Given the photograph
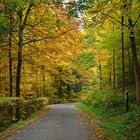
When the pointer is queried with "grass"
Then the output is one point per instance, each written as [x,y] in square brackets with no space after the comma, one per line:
[118,124]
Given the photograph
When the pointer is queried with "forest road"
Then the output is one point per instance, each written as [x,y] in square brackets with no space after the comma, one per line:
[61,123]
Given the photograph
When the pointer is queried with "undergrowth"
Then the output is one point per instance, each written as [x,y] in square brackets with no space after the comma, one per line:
[114,119]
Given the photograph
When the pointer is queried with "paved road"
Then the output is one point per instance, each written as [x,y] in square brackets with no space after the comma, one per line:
[61,123]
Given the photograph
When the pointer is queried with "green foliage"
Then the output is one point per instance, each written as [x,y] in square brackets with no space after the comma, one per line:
[105,98]
[116,123]
[76,8]
[86,60]
[90,40]
[93,111]
[4,25]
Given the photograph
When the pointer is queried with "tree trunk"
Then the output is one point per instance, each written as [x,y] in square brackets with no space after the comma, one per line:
[100,75]
[135,60]
[129,63]
[10,55]
[22,24]
[43,81]
[60,92]
[17,115]
[114,69]
[131,67]
[123,61]
[68,89]
[100,71]
[19,65]
[110,78]
[134,53]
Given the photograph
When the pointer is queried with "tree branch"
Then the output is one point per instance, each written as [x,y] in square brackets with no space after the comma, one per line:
[136,20]
[115,19]
[47,37]
[27,13]
[33,25]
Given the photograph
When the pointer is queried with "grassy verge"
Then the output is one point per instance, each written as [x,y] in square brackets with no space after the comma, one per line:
[116,123]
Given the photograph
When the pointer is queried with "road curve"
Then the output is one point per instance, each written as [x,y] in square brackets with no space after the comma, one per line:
[61,123]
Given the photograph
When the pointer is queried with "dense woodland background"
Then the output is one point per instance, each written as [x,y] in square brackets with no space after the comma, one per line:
[84,49]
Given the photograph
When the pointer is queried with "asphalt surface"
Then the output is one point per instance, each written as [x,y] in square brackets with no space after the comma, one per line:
[61,123]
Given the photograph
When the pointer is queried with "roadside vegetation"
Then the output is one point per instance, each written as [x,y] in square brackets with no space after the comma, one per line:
[13,110]
[109,112]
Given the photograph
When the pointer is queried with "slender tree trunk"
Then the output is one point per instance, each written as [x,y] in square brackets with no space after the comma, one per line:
[114,69]
[60,94]
[68,89]
[100,71]
[43,80]
[36,72]
[133,72]
[131,67]
[19,65]
[10,55]
[110,77]
[123,61]
[100,75]
[129,63]
[18,76]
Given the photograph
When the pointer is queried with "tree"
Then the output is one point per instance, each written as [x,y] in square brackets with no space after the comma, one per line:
[134,48]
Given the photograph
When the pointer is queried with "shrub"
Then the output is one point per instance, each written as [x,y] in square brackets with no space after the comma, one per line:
[108,99]
[9,106]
